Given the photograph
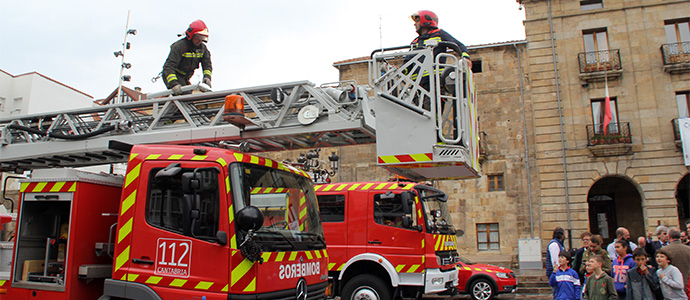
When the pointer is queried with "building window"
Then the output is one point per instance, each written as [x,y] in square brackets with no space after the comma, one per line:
[591,4]
[487,237]
[332,208]
[596,45]
[598,115]
[2,104]
[495,182]
[477,66]
[683,100]
[678,35]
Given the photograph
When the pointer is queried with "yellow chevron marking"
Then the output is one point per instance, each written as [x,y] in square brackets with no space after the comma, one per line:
[132,175]
[199,157]
[128,202]
[73,187]
[325,253]
[408,186]
[227,184]
[468,268]
[398,268]
[487,270]
[478,269]
[132,277]
[252,286]
[341,187]
[2,282]
[132,156]
[420,157]
[124,277]
[225,289]
[203,285]
[354,186]
[122,259]
[380,186]
[266,256]
[308,253]
[154,280]
[125,230]
[238,156]
[222,161]
[253,159]
[341,267]
[317,187]
[175,157]
[280,256]
[240,271]
[303,213]
[23,186]
[233,242]
[178,282]
[438,244]
[413,268]
[389,159]
[367,186]
[293,256]
[39,187]
[330,266]
[153,156]
[328,187]
[57,186]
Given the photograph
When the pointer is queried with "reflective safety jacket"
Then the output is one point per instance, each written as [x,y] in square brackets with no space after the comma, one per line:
[183,59]
[441,36]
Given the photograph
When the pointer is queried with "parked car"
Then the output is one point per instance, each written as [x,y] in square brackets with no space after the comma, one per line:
[483,282]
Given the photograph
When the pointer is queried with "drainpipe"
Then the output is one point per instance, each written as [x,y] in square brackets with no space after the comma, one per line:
[560,119]
[524,134]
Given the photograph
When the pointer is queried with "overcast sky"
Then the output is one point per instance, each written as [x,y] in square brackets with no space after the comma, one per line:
[252,43]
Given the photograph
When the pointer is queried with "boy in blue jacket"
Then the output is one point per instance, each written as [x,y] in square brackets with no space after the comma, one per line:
[565,281]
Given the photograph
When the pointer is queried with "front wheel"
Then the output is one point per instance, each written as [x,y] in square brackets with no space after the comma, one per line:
[481,289]
[366,287]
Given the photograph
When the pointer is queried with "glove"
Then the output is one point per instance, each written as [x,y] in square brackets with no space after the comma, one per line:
[177,90]
[207,81]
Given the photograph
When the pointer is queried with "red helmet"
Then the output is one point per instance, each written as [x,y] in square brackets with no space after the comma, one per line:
[427,18]
[197,27]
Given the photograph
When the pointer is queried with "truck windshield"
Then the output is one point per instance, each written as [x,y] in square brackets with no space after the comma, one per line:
[288,204]
[436,212]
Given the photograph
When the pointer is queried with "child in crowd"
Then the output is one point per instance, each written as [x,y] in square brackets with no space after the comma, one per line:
[670,278]
[565,281]
[642,282]
[623,263]
[599,285]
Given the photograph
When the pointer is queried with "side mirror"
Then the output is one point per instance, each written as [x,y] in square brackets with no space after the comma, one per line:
[191,182]
[250,218]
[406,202]
[406,222]
[222,237]
[169,171]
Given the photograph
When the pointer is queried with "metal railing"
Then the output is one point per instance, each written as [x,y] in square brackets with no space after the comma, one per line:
[598,61]
[676,53]
[617,133]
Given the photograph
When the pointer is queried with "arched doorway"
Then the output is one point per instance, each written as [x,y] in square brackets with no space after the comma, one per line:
[683,199]
[614,202]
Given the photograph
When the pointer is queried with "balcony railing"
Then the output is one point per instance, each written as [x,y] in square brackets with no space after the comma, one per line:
[599,61]
[676,53]
[618,133]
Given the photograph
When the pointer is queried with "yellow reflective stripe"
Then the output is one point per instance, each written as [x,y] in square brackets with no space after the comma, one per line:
[178,282]
[125,230]
[207,72]
[318,254]
[132,175]
[39,187]
[175,157]
[129,201]
[240,271]
[225,289]
[399,268]
[252,286]
[199,157]
[122,259]
[328,187]
[222,162]
[413,268]
[203,285]
[330,266]
[154,280]
[193,55]
[367,186]
[341,187]
[153,156]
[57,186]
[23,186]
[266,256]
[308,253]
[171,77]
[280,256]
[380,186]
[73,188]
[293,255]
[354,186]
[132,277]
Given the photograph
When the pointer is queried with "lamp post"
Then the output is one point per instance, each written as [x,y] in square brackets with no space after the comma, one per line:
[124,65]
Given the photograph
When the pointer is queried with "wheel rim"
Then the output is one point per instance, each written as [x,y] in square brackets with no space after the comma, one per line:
[365,293]
[481,290]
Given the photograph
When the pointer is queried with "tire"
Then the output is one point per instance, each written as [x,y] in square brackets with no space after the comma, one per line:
[366,287]
[482,289]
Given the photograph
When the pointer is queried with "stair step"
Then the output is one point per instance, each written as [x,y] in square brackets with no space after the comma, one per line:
[528,284]
[534,296]
[535,290]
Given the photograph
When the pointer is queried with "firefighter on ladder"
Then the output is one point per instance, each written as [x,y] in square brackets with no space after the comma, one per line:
[185,57]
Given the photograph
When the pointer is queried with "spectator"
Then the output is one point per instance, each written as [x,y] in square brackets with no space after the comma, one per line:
[600,285]
[565,282]
[553,249]
[684,238]
[622,234]
[642,282]
[623,263]
[641,242]
[662,239]
[670,278]
[679,253]
[577,262]
[595,249]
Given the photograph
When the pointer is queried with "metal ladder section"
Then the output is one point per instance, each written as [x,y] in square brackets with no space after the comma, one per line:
[285,116]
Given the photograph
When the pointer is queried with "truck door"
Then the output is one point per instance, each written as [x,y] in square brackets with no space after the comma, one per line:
[175,249]
[393,231]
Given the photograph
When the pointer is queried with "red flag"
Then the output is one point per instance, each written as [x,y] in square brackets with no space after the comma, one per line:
[608,116]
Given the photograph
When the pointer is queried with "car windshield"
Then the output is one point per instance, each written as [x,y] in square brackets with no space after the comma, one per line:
[436,212]
[465,261]
[288,203]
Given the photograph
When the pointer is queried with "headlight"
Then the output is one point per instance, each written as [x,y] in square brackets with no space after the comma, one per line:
[437,281]
[502,275]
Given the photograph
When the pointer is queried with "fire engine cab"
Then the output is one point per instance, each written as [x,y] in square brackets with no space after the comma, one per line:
[388,240]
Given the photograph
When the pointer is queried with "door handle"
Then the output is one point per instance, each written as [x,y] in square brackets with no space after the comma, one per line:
[374,242]
[142,261]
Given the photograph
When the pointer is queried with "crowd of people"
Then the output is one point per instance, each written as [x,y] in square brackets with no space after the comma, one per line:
[649,269]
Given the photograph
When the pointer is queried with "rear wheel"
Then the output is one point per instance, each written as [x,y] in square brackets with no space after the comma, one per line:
[366,287]
[481,289]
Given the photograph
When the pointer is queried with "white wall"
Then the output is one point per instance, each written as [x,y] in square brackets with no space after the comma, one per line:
[32,93]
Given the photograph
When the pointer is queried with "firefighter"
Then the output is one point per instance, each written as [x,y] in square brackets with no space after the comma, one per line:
[426,25]
[185,57]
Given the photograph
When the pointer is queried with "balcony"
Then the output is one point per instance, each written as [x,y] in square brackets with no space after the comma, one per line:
[617,141]
[598,65]
[676,57]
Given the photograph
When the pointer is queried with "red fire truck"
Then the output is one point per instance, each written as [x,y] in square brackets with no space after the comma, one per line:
[184,222]
[388,239]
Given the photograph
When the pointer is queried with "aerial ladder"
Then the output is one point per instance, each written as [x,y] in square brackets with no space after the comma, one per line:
[423,130]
